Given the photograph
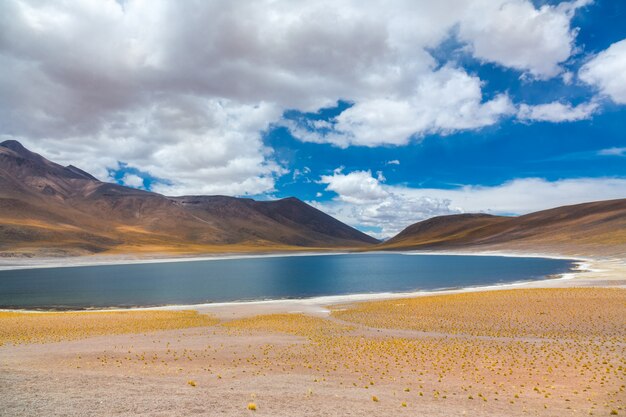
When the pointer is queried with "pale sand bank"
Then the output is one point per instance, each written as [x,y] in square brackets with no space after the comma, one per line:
[460,361]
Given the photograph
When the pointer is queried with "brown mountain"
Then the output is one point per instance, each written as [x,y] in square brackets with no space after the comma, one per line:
[597,228]
[49,209]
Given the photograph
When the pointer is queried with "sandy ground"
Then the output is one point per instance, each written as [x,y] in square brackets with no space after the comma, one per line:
[554,347]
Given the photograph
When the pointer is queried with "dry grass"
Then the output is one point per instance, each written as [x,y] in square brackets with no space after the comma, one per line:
[540,349]
[535,352]
[17,328]
[294,324]
[544,313]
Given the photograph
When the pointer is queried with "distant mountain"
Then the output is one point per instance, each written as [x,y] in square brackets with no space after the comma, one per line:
[47,209]
[597,228]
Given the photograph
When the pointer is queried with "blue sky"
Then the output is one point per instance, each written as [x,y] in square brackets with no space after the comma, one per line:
[381,115]
[589,148]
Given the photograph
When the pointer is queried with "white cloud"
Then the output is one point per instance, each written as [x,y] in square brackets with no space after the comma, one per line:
[567,77]
[443,101]
[364,201]
[525,195]
[517,35]
[612,152]
[393,162]
[201,146]
[607,71]
[556,112]
[133,180]
[181,90]
[357,187]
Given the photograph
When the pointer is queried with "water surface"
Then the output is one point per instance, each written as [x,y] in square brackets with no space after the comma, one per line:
[222,280]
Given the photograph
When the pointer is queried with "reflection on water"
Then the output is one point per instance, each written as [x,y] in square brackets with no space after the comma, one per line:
[259,278]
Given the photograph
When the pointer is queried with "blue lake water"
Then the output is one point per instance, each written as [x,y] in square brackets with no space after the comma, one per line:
[198,282]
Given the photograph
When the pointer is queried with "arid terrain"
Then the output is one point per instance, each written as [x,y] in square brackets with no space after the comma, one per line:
[597,228]
[548,348]
[48,210]
[315,208]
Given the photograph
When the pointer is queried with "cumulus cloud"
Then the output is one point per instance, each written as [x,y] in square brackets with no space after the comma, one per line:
[607,72]
[183,90]
[365,201]
[357,187]
[443,101]
[556,112]
[517,35]
[132,180]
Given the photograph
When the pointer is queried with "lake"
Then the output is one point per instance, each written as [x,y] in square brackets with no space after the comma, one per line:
[260,278]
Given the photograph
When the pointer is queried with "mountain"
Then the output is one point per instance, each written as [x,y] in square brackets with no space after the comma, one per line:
[597,228]
[47,209]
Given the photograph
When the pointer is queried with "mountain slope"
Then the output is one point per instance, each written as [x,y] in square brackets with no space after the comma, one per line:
[49,209]
[290,220]
[590,228]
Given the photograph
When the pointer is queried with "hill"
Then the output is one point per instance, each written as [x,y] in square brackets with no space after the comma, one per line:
[597,228]
[47,209]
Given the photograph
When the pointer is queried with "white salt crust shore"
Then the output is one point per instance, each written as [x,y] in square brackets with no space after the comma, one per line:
[105,260]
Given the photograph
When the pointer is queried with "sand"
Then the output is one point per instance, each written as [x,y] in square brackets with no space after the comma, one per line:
[548,348]
[107,258]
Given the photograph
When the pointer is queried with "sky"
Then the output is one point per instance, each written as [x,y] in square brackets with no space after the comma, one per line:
[379,113]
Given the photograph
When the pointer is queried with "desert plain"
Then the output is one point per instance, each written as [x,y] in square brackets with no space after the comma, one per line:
[548,348]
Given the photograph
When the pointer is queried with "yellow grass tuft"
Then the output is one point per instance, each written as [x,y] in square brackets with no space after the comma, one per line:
[295,324]
[18,327]
[502,346]
[543,313]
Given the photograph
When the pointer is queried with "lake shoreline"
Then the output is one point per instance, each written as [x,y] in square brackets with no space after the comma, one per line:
[106,260]
[354,361]
[295,357]
[586,271]
[319,304]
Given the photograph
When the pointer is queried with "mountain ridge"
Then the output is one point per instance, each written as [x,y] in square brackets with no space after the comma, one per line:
[47,209]
[593,228]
